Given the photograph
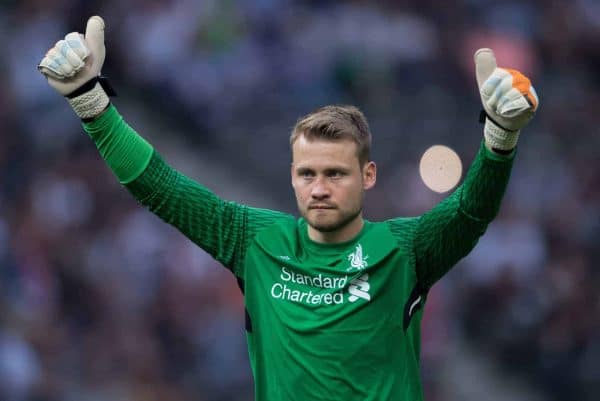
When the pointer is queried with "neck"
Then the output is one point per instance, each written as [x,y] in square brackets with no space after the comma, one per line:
[343,234]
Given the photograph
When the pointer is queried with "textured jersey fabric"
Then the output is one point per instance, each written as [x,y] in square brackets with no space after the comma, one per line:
[326,322]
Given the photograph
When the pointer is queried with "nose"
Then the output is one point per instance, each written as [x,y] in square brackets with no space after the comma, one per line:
[320,190]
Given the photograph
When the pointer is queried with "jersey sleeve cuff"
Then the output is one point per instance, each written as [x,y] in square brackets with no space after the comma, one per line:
[97,125]
[491,155]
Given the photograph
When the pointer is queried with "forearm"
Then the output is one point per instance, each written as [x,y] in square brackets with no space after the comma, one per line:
[125,152]
[485,184]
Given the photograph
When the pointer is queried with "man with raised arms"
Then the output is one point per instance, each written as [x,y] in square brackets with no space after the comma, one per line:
[334,301]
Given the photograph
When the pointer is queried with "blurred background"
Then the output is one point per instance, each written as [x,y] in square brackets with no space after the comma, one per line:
[99,300]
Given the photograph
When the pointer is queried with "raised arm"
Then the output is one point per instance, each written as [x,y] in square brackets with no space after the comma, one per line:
[450,231]
[222,228]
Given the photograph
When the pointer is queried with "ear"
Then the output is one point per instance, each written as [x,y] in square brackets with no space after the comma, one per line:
[369,175]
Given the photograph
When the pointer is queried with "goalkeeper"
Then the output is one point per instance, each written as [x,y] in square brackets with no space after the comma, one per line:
[333,301]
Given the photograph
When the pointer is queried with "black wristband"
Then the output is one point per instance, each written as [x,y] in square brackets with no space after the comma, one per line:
[89,85]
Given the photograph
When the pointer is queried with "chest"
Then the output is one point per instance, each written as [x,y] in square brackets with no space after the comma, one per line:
[353,290]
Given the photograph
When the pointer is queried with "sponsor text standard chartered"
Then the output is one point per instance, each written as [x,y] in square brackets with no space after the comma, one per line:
[358,288]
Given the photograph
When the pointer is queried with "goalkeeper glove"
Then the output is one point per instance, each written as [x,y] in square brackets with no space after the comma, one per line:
[72,67]
[508,99]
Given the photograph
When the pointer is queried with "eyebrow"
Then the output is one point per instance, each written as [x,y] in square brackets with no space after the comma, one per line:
[326,170]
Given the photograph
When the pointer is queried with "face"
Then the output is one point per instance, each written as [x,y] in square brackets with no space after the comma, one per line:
[330,183]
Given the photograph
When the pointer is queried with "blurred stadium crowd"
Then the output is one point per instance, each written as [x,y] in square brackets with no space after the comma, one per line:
[99,300]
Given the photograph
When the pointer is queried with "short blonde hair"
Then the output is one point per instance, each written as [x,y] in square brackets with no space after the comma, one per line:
[333,123]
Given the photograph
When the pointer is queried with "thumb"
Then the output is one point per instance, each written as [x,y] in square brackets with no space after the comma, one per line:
[94,34]
[485,64]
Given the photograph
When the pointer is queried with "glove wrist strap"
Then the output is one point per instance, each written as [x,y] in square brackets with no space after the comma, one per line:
[498,138]
[91,103]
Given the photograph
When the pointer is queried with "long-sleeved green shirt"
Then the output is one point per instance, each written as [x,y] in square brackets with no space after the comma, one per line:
[326,322]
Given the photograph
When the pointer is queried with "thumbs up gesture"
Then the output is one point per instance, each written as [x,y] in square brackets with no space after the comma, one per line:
[72,67]
[508,99]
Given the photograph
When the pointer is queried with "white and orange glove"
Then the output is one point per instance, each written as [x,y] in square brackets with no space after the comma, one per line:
[508,99]
[73,68]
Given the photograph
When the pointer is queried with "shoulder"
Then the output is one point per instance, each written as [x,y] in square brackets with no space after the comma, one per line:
[402,226]
[277,237]
[278,225]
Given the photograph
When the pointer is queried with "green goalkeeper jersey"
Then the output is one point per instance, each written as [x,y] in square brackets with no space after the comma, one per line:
[324,322]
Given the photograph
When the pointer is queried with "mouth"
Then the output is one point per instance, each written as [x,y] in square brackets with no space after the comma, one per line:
[321,207]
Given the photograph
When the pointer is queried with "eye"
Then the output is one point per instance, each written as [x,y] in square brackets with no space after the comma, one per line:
[306,174]
[335,174]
